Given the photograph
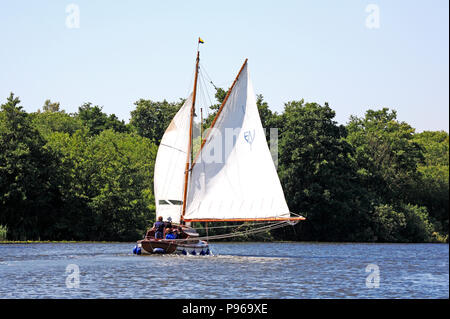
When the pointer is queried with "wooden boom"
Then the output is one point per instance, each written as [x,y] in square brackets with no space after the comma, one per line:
[268,219]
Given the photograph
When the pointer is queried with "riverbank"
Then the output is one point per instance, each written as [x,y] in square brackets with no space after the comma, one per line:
[55,242]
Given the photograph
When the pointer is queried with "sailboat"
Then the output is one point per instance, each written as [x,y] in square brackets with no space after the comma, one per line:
[231,178]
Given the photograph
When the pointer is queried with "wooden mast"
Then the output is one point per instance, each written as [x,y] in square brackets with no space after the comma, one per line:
[187,170]
[218,113]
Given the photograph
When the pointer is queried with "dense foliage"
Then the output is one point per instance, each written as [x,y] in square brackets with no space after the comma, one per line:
[76,176]
[89,175]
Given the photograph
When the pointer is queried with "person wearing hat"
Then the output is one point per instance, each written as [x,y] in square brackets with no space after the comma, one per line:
[168,223]
[167,226]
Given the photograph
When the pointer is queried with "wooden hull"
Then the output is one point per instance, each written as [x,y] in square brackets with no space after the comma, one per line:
[154,246]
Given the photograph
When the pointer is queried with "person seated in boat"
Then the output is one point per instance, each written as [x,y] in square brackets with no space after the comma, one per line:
[166,231]
[180,233]
[167,226]
[168,223]
[170,234]
[158,227]
[175,232]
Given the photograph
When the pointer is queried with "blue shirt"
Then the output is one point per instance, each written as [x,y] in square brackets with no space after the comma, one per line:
[159,226]
[170,236]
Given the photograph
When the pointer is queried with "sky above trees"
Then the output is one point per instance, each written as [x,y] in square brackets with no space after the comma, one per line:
[345,53]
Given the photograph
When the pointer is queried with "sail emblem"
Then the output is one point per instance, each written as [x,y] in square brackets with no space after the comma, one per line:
[249,136]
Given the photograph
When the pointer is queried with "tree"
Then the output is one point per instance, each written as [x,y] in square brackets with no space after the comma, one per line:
[264,111]
[432,190]
[388,223]
[150,119]
[386,154]
[96,121]
[123,200]
[406,223]
[220,97]
[107,186]
[89,176]
[318,176]
[29,175]
[78,221]
[418,228]
[51,107]
[49,122]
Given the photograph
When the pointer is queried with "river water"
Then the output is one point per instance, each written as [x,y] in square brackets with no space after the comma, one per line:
[237,270]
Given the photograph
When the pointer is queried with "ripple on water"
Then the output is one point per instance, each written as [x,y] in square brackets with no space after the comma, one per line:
[251,270]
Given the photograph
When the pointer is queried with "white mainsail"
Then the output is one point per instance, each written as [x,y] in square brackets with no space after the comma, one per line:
[170,165]
[234,177]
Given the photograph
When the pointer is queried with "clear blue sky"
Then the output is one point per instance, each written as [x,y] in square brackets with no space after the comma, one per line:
[321,51]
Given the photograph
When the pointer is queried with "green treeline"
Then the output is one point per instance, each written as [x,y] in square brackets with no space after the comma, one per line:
[89,176]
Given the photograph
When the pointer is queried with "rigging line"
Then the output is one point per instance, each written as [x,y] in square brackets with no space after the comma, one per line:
[196,133]
[222,84]
[202,90]
[246,232]
[209,78]
[249,231]
[204,93]
[202,98]
[298,215]
[207,93]
[294,222]
[208,105]
[204,101]
[177,149]
[205,74]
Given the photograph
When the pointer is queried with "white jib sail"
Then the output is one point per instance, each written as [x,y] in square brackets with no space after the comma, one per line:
[170,165]
[234,176]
